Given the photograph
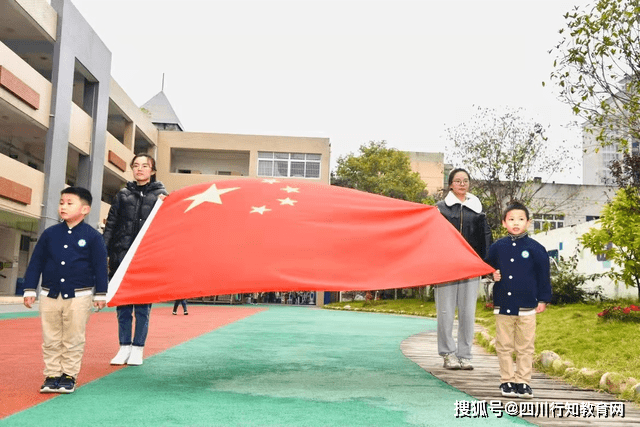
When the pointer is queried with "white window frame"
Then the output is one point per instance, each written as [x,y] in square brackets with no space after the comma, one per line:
[553,220]
[273,164]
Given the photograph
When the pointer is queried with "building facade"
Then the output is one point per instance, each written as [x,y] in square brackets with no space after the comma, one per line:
[597,159]
[65,121]
[565,243]
[431,168]
[564,205]
[188,158]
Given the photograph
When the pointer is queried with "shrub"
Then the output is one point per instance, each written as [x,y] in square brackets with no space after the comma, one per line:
[567,285]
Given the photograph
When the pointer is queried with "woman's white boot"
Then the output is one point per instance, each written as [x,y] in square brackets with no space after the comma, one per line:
[123,355]
[136,355]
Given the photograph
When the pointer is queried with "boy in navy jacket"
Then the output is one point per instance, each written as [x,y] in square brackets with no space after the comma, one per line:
[522,289]
[72,259]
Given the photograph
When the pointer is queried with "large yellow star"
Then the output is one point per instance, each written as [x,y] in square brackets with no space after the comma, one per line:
[211,195]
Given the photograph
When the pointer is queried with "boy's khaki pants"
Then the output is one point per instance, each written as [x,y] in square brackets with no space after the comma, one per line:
[515,333]
[64,323]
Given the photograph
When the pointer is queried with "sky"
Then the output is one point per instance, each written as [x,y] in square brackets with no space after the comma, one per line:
[352,71]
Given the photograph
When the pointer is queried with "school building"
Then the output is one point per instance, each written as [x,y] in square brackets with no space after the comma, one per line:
[65,121]
[596,159]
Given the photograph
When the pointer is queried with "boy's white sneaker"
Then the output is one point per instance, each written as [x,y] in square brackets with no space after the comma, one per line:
[123,355]
[136,356]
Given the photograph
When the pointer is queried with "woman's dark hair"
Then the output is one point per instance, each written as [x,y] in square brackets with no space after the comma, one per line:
[454,172]
[152,161]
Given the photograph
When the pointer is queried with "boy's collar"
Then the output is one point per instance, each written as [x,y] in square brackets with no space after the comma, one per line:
[515,237]
[74,226]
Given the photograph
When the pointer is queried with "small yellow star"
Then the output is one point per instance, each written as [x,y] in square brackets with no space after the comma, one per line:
[287,201]
[270,181]
[290,189]
[261,210]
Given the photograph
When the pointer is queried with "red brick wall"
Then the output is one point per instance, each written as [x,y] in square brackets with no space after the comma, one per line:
[13,191]
[19,88]
[117,161]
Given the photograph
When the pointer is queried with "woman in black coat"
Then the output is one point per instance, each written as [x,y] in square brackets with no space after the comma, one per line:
[130,209]
[464,211]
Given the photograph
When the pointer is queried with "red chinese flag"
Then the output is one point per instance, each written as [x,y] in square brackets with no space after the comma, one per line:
[250,235]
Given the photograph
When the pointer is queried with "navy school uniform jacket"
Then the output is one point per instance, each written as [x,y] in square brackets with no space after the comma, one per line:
[69,260]
[526,277]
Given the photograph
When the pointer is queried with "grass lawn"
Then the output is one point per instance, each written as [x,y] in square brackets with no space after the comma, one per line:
[572,331]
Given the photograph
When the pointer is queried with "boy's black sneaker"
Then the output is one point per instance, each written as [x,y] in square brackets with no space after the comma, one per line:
[524,391]
[50,385]
[66,384]
[508,389]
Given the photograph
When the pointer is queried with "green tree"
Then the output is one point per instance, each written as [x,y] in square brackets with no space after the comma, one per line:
[380,170]
[504,153]
[619,236]
[597,69]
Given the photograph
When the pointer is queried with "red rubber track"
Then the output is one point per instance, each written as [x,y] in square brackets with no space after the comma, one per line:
[21,362]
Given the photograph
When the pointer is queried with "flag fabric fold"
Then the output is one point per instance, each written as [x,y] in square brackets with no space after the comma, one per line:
[251,235]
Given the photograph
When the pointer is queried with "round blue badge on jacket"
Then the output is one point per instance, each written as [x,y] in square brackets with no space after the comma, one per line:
[525,254]
[82,243]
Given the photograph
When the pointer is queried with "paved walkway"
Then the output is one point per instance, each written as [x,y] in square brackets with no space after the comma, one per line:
[552,397]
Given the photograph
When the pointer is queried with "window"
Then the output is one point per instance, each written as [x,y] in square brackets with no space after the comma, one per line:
[605,177]
[289,165]
[545,222]
[24,243]
[610,157]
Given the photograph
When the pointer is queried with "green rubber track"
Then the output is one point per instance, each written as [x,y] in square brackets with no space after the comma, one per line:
[285,366]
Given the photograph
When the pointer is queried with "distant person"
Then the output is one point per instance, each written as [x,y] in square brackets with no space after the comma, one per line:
[464,212]
[182,302]
[72,259]
[130,209]
[522,290]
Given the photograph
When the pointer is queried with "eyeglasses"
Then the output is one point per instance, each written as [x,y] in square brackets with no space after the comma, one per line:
[461,182]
